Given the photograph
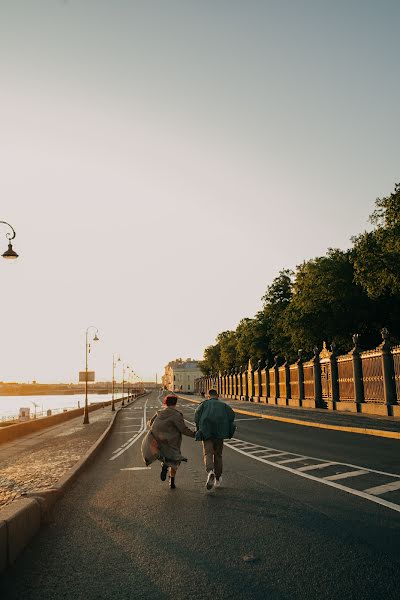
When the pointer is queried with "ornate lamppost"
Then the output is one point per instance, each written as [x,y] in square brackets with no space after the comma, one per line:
[113,382]
[95,339]
[9,254]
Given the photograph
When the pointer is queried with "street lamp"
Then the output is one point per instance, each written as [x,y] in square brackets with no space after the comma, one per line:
[95,339]
[123,381]
[10,254]
[113,382]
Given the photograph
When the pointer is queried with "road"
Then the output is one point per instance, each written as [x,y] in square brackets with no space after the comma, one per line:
[298,517]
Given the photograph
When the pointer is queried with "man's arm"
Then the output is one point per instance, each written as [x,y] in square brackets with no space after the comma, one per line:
[231,413]
[197,414]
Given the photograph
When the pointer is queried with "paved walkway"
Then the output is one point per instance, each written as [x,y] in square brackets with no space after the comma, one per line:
[316,415]
[39,460]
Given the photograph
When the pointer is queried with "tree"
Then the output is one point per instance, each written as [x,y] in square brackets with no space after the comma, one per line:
[328,305]
[227,344]
[276,301]
[377,253]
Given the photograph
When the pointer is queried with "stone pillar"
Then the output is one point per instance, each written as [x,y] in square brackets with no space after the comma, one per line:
[334,374]
[275,366]
[240,383]
[300,375]
[267,386]
[389,385]
[287,379]
[245,385]
[258,382]
[250,376]
[235,383]
[357,370]
[317,379]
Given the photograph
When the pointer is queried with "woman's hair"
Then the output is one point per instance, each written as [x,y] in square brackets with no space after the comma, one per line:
[170,400]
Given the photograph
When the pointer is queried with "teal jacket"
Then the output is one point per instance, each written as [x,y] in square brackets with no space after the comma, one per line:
[214,419]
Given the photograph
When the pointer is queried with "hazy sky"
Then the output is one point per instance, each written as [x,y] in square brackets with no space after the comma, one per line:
[162,160]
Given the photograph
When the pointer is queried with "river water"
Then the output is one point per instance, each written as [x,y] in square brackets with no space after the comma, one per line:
[10,405]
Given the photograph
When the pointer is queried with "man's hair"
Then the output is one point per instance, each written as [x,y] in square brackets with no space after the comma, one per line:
[213,393]
[170,400]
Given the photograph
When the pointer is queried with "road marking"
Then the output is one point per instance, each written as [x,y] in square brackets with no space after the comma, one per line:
[346,475]
[383,489]
[366,495]
[288,460]
[136,469]
[134,439]
[316,466]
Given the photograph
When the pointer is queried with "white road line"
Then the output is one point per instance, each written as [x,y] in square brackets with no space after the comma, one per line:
[135,469]
[273,454]
[316,466]
[346,475]
[135,438]
[323,481]
[383,489]
[288,460]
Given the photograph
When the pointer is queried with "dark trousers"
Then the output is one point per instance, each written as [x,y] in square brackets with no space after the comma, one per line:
[212,451]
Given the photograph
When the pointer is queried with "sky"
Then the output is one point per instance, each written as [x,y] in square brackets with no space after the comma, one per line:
[161,161]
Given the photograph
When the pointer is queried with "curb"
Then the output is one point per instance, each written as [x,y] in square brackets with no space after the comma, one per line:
[20,520]
[394,435]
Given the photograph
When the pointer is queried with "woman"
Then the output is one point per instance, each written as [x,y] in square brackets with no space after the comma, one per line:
[165,438]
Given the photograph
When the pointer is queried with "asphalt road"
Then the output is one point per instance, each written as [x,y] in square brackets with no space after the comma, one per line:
[288,522]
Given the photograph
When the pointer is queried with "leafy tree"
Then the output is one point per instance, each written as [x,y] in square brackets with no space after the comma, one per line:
[252,340]
[328,305]
[227,344]
[377,253]
[211,360]
[276,301]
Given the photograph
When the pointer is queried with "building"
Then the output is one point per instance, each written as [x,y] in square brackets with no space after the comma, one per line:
[180,375]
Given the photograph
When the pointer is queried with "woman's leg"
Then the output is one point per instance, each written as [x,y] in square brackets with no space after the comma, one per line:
[172,473]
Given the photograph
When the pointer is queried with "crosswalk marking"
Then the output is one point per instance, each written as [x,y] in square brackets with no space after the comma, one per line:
[316,466]
[346,475]
[383,489]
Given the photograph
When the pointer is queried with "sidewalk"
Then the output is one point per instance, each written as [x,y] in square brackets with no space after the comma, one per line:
[314,415]
[39,460]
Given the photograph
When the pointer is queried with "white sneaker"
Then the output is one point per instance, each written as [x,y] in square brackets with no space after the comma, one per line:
[218,482]
[210,480]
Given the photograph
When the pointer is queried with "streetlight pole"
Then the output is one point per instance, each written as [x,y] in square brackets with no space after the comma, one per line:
[10,254]
[95,339]
[113,383]
[123,378]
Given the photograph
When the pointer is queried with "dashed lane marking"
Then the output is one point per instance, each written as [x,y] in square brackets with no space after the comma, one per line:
[371,494]
[136,469]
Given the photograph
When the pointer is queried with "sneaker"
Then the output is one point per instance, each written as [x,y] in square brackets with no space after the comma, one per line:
[218,482]
[164,471]
[210,480]
[172,483]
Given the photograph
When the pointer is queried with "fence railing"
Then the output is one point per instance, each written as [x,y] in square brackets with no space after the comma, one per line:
[357,381]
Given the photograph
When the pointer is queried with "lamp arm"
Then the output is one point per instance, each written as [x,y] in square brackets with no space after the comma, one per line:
[9,236]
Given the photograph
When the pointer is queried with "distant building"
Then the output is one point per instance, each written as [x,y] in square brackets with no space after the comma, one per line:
[180,375]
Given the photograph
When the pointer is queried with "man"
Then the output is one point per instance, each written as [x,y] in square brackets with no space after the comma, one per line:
[214,421]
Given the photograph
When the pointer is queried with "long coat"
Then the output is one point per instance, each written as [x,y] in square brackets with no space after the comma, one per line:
[164,439]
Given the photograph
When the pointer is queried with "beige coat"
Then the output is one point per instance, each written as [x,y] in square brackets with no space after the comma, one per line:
[164,439]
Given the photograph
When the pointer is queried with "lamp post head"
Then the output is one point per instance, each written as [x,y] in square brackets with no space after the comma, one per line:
[95,339]
[10,254]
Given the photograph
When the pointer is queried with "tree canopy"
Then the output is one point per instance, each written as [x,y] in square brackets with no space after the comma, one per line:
[327,298]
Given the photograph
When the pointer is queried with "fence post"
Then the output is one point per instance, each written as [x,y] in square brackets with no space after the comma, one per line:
[250,377]
[300,375]
[357,370]
[287,379]
[388,368]
[275,366]
[267,385]
[334,373]
[240,382]
[317,378]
